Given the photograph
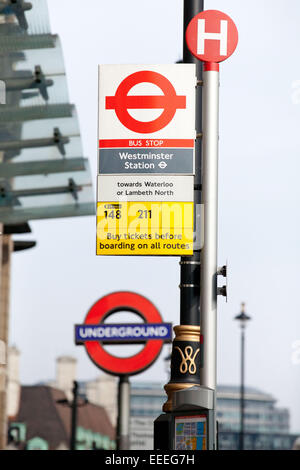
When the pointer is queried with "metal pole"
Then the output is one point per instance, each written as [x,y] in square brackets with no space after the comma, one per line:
[208,268]
[6,248]
[242,397]
[208,289]
[123,413]
[74,416]
[242,318]
[3,362]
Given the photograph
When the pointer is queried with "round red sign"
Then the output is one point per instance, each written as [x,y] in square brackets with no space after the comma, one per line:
[169,102]
[116,302]
[211,36]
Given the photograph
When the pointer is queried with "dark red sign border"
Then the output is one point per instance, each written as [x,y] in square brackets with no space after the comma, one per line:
[116,302]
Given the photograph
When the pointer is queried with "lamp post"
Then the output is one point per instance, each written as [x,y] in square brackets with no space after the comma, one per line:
[74,405]
[242,318]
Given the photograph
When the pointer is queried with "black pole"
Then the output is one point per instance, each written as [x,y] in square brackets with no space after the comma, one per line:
[118,430]
[242,397]
[187,334]
[243,318]
[190,265]
[74,416]
[122,434]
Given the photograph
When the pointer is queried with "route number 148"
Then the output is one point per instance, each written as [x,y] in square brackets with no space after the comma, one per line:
[113,214]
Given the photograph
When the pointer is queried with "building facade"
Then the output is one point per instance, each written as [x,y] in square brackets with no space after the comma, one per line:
[43,422]
[101,391]
[261,413]
[37,421]
[266,425]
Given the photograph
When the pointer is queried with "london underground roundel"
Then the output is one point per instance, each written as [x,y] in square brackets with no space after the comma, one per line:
[169,102]
[211,36]
[107,306]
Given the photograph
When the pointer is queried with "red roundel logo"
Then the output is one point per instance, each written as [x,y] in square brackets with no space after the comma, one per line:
[211,36]
[116,302]
[169,102]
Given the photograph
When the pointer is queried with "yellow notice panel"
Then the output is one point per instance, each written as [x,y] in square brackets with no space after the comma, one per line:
[145,228]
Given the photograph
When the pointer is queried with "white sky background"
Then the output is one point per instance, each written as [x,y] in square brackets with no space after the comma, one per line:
[54,285]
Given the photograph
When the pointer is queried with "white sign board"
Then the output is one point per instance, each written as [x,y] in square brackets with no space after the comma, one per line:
[145,188]
[147,104]
[146,156]
[141,433]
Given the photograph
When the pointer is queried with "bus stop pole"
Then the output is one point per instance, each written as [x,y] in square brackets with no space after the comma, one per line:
[209,271]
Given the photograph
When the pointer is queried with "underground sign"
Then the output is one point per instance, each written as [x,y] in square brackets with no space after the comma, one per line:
[95,332]
[169,102]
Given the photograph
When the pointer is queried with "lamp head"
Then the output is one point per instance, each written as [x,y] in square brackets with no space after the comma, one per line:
[242,317]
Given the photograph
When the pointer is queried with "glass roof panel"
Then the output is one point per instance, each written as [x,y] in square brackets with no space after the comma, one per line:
[51,111]
[38,17]
[13,43]
[42,128]
[42,171]
[41,139]
[55,195]
[19,214]
[50,181]
[42,167]
[54,199]
[49,59]
[34,20]
[56,92]
[52,152]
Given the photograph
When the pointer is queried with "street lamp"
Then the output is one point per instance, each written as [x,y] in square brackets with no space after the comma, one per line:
[242,318]
[74,406]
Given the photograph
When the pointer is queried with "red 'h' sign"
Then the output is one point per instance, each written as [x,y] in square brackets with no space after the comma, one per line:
[211,36]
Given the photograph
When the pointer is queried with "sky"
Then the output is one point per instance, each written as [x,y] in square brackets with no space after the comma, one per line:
[54,285]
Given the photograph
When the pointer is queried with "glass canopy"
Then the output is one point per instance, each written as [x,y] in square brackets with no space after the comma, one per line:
[43,173]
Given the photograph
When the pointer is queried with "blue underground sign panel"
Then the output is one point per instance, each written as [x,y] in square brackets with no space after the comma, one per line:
[123,333]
